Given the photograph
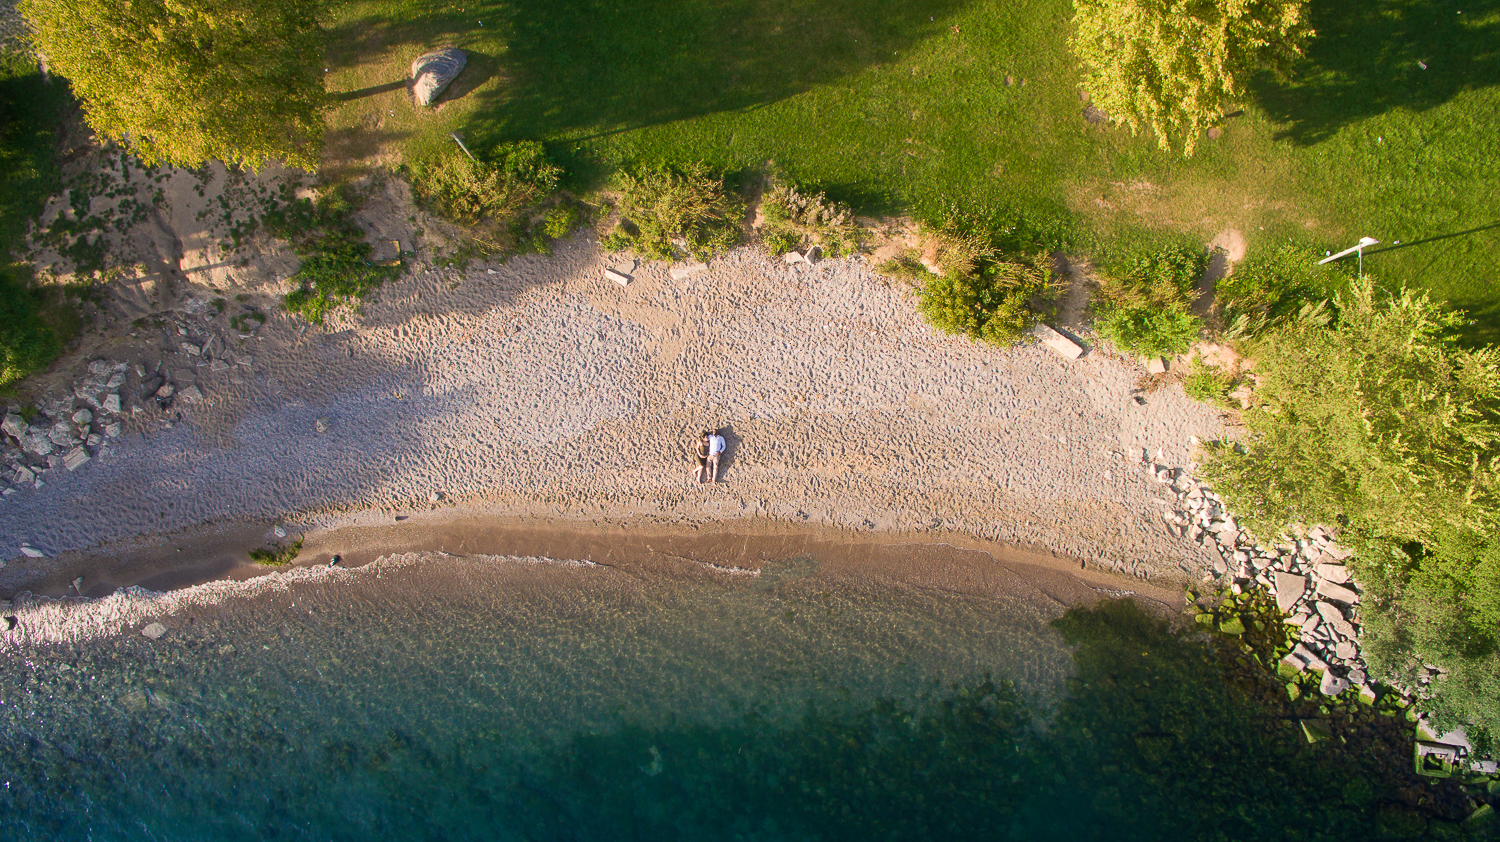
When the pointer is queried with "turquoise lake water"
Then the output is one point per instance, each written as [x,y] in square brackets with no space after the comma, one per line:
[416,703]
[478,699]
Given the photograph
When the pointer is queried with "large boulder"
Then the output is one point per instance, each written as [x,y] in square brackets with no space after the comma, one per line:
[431,73]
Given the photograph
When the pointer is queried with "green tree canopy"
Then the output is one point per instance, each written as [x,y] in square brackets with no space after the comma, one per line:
[1372,416]
[1171,66]
[187,81]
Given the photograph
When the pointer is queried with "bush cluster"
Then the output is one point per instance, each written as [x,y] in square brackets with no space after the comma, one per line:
[1266,290]
[1142,306]
[511,178]
[666,212]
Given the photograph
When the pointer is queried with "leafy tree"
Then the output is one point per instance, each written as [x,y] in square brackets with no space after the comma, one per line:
[1171,66]
[187,81]
[1372,416]
[1438,603]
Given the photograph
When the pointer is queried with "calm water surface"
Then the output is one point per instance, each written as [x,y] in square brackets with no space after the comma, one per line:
[482,699]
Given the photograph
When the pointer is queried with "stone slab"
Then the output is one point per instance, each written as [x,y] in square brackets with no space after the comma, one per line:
[1336,573]
[1057,342]
[1289,588]
[75,458]
[1338,593]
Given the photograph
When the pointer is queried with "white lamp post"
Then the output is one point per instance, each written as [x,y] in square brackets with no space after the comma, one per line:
[1359,247]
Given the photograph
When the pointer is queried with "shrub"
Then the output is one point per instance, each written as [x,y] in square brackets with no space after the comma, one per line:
[980,294]
[336,267]
[1142,305]
[792,216]
[1370,415]
[1206,383]
[781,241]
[509,179]
[688,204]
[1268,289]
[1438,603]
[276,555]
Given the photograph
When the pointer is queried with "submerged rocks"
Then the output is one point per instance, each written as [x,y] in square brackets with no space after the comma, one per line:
[432,72]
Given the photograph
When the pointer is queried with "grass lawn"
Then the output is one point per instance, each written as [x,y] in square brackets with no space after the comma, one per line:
[34,323]
[906,107]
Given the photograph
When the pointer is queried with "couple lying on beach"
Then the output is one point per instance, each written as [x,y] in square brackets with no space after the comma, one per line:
[710,445]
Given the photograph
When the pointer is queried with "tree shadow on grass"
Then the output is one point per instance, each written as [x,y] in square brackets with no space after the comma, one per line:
[578,68]
[1367,57]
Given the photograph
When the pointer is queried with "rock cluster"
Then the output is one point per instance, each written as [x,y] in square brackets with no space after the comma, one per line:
[67,431]
[1306,575]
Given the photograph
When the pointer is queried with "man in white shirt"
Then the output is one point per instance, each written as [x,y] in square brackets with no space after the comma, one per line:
[716,445]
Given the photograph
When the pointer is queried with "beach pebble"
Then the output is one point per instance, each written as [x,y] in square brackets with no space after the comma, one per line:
[154,631]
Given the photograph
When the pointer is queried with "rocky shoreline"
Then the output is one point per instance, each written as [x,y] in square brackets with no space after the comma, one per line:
[1315,591]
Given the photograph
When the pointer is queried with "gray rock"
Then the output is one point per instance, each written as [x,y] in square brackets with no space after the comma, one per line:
[111,404]
[166,390]
[1328,611]
[1338,593]
[1358,677]
[1332,685]
[14,426]
[32,552]
[1345,649]
[1289,588]
[622,280]
[191,394]
[75,458]
[1308,657]
[432,72]
[154,631]
[322,424]
[23,475]
[112,430]
[94,440]
[60,434]
[1156,365]
[1345,628]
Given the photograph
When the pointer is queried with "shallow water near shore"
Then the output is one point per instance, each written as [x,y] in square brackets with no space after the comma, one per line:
[428,698]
